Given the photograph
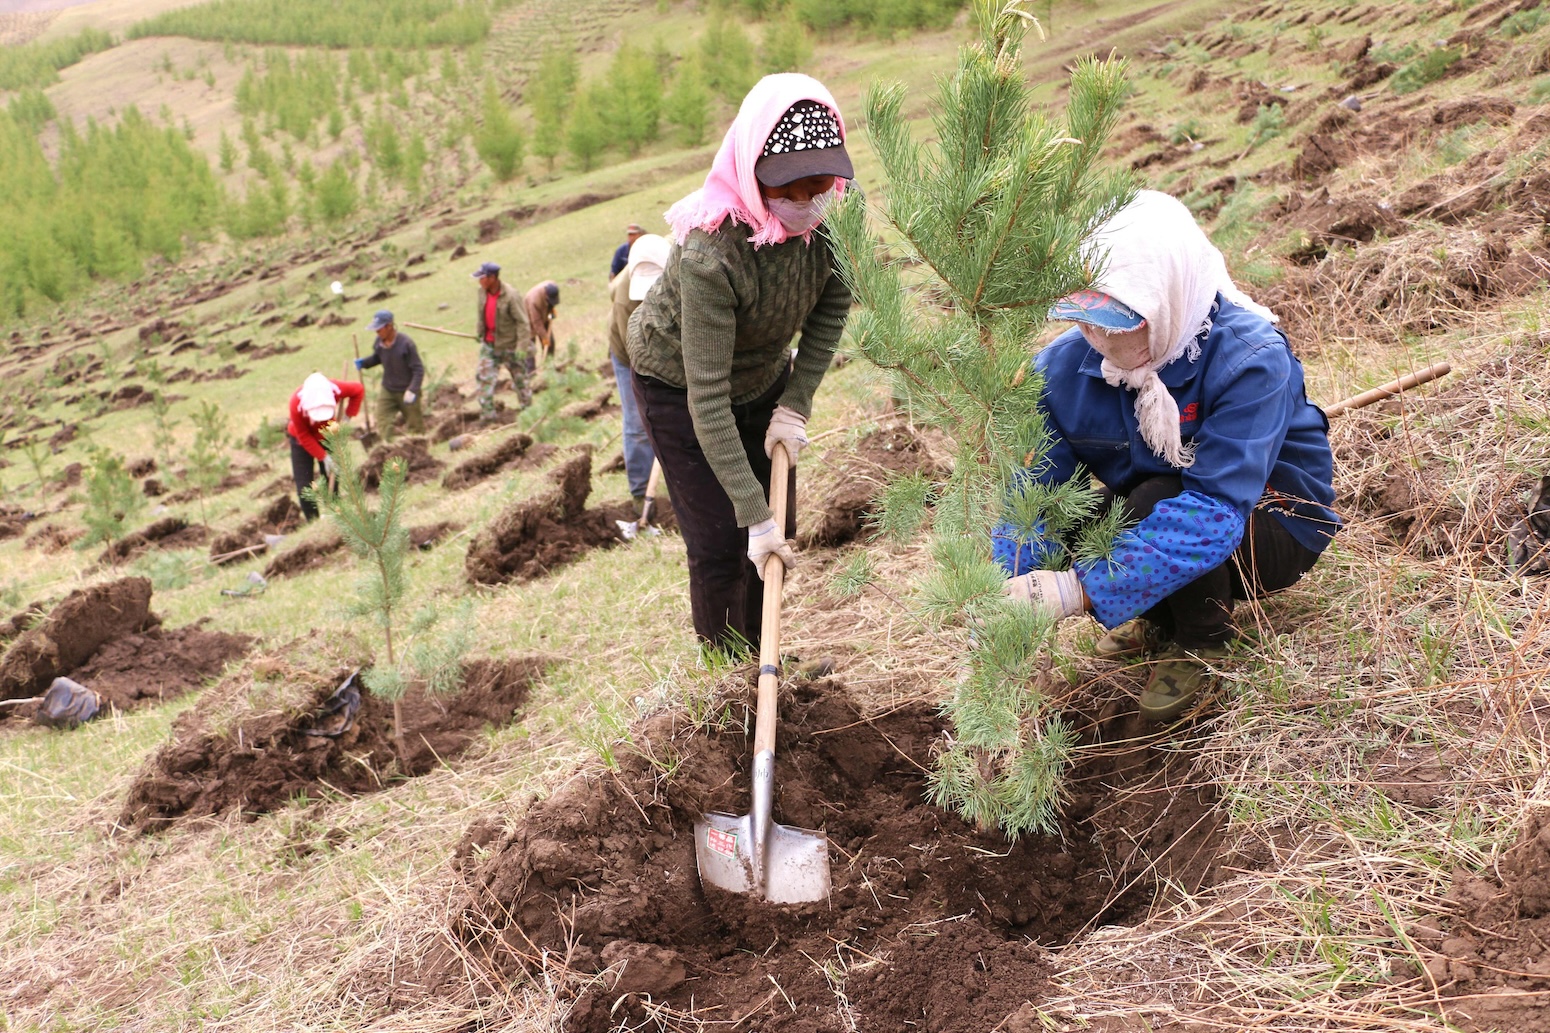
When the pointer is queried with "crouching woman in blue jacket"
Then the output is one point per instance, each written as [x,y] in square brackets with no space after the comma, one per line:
[1180,395]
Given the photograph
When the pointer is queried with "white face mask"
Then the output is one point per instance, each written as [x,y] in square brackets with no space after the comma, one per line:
[796,216]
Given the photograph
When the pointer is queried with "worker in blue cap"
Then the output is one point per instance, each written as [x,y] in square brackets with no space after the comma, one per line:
[403,374]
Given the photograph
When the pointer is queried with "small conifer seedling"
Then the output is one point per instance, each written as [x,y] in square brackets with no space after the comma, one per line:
[988,224]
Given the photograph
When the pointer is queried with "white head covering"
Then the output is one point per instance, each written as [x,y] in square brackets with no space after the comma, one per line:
[648,257]
[1159,262]
[319,399]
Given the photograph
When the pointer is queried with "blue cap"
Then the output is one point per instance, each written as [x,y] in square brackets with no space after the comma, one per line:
[487,269]
[1097,309]
[381,319]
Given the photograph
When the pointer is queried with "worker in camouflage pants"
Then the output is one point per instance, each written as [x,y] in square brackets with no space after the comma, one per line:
[504,339]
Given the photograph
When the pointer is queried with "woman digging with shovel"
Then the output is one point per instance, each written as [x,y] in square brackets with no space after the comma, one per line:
[711,344]
[1180,395]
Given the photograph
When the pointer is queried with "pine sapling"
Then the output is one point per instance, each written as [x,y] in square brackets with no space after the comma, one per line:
[989,219]
[112,498]
[378,536]
[208,462]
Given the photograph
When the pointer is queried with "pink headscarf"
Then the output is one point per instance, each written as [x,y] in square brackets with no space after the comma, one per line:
[730,188]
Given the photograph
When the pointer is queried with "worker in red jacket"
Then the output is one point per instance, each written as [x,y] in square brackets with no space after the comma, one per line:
[314,407]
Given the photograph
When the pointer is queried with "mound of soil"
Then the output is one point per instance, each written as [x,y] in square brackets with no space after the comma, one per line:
[592,408]
[282,516]
[1493,952]
[259,761]
[880,457]
[474,469]
[157,665]
[422,465]
[531,538]
[929,922]
[166,533]
[87,619]
[459,422]
[309,555]
[52,538]
[13,522]
[428,536]
[231,482]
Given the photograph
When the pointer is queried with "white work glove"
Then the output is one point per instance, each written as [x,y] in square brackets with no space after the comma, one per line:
[789,426]
[329,468]
[409,397]
[765,540]
[1057,591]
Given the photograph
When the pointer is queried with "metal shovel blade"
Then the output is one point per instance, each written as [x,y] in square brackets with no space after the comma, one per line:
[752,854]
[796,863]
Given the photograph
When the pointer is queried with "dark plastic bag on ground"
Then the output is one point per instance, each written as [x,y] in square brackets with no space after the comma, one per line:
[1528,540]
[67,704]
[338,713]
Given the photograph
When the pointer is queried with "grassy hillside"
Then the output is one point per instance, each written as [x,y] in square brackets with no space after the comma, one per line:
[1334,845]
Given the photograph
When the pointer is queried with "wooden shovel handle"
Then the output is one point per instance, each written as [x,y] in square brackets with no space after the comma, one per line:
[1390,389]
[769,628]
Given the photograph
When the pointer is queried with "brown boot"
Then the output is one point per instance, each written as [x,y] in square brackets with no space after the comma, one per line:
[1177,679]
[1135,637]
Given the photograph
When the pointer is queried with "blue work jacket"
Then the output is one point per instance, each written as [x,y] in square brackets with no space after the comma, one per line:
[1258,442]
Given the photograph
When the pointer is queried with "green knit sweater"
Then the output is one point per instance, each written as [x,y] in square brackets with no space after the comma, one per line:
[719,323]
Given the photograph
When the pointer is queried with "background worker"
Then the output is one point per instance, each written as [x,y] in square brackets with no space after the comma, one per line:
[632,233]
[503,334]
[647,259]
[542,299]
[313,409]
[402,375]
[710,346]
[1182,397]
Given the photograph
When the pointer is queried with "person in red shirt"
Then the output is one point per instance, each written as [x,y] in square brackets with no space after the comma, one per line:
[314,407]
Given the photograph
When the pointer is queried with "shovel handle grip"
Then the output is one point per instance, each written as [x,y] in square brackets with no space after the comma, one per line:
[1389,390]
[769,629]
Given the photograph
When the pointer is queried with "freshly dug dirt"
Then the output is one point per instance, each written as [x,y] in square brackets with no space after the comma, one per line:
[155,665]
[13,522]
[422,465]
[74,630]
[166,533]
[531,538]
[309,555]
[1491,952]
[881,456]
[459,422]
[257,761]
[53,538]
[428,536]
[930,920]
[476,468]
[282,516]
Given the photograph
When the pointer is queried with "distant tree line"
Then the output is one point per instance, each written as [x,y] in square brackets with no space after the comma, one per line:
[114,196]
[335,23]
[884,18]
[38,64]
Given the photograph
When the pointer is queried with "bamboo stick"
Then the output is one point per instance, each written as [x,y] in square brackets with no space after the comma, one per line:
[1390,389]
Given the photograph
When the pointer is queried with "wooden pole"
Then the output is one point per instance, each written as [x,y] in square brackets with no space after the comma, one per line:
[439,330]
[355,342]
[1390,389]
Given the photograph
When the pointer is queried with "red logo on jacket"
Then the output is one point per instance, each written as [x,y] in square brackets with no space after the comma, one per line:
[1190,413]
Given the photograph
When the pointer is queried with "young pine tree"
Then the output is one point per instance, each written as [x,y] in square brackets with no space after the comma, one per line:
[498,140]
[379,538]
[687,105]
[587,136]
[208,463]
[994,213]
[549,95]
[786,45]
[113,500]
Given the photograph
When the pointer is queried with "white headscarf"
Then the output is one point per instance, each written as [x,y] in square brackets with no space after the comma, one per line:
[1159,262]
[317,394]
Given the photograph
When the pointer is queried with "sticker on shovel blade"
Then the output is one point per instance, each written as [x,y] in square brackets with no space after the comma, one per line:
[723,843]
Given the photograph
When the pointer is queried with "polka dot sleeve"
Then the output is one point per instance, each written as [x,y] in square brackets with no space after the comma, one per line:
[1019,557]
[1182,539]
